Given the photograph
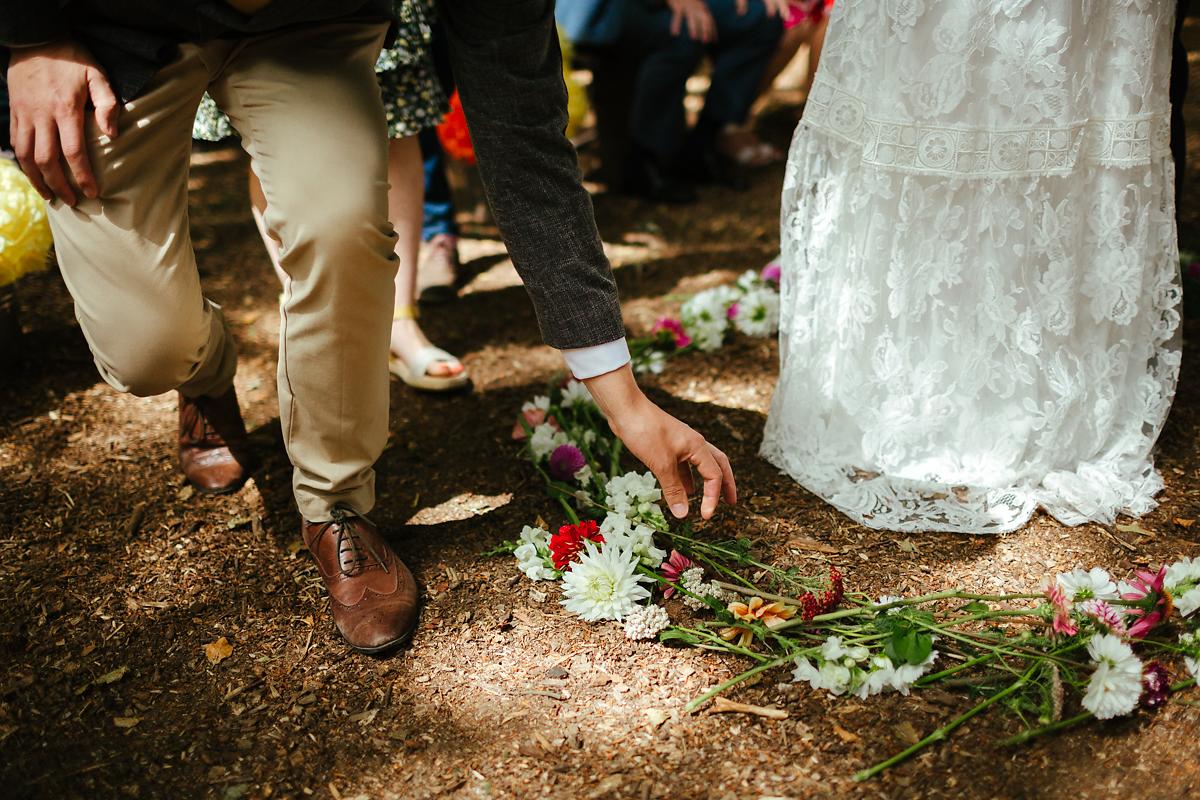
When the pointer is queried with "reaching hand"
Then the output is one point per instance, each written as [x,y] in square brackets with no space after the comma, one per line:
[700,23]
[49,88]
[775,8]
[664,444]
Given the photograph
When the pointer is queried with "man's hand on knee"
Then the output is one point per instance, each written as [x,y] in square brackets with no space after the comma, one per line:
[49,89]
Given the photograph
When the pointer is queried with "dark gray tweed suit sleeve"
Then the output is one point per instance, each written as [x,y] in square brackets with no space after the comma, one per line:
[508,68]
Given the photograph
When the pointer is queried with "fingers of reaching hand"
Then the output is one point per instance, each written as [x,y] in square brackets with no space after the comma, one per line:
[714,469]
[74,151]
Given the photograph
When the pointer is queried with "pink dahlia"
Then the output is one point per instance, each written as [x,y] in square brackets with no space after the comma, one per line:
[673,568]
[772,272]
[1152,602]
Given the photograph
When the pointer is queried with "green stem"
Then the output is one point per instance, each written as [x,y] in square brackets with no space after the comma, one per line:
[734,681]
[1025,736]
[571,515]
[943,731]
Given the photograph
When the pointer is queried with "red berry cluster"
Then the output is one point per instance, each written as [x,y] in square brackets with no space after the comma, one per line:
[812,605]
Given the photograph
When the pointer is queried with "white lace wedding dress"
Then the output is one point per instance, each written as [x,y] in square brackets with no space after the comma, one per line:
[981,297]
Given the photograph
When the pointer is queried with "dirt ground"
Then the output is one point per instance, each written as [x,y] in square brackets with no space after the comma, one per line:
[114,576]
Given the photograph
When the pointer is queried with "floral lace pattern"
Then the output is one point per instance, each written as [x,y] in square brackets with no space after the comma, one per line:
[980,295]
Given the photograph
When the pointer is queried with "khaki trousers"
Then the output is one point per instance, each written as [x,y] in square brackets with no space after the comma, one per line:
[306,103]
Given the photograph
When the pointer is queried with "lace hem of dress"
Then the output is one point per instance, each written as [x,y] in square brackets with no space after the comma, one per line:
[1096,492]
[973,152]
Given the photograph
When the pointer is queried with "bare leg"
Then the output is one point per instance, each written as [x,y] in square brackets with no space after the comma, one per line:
[406,209]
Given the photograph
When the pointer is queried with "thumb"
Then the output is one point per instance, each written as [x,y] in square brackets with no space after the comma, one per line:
[674,493]
[104,101]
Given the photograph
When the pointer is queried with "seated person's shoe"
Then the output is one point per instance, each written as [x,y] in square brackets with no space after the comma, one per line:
[644,178]
[374,595]
[213,448]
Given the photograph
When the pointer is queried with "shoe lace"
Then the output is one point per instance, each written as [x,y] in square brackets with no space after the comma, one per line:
[350,542]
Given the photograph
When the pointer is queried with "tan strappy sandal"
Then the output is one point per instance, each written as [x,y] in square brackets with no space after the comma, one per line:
[416,374]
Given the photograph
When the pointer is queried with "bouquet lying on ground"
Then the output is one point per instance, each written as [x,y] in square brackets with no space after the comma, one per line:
[750,306]
[1086,647]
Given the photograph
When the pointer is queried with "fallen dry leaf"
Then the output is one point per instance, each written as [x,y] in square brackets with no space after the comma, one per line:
[1184,523]
[218,651]
[655,716]
[722,706]
[126,722]
[812,544]
[845,735]
[111,677]
[906,733]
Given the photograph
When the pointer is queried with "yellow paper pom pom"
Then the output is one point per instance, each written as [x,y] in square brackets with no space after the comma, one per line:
[577,100]
[24,231]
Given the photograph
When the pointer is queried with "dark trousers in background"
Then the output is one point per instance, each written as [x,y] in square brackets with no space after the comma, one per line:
[439,201]
[744,45]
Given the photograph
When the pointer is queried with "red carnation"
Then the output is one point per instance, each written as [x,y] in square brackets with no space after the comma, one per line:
[567,543]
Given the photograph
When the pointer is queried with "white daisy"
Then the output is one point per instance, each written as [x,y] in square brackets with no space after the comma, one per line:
[1116,684]
[646,622]
[749,280]
[758,313]
[603,584]
[1183,582]
[545,439]
[533,554]
[887,600]
[1080,584]
[576,394]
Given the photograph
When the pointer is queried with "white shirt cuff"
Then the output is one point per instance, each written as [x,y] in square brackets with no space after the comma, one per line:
[588,362]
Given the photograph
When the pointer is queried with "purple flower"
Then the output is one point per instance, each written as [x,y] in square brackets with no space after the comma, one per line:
[772,272]
[1156,685]
[565,461]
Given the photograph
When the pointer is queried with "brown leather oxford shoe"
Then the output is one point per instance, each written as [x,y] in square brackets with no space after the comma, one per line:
[212,443]
[374,595]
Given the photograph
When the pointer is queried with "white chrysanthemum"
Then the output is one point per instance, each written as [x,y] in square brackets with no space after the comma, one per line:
[545,439]
[758,313]
[583,474]
[830,676]
[533,554]
[1183,582]
[1191,656]
[646,622]
[539,403]
[618,530]
[603,584]
[1081,584]
[1116,684]
[576,394]
[635,496]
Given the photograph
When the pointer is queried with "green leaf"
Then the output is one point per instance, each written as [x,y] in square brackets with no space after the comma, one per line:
[679,635]
[976,607]
[503,549]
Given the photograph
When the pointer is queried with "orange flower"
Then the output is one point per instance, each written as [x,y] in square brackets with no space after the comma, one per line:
[757,610]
